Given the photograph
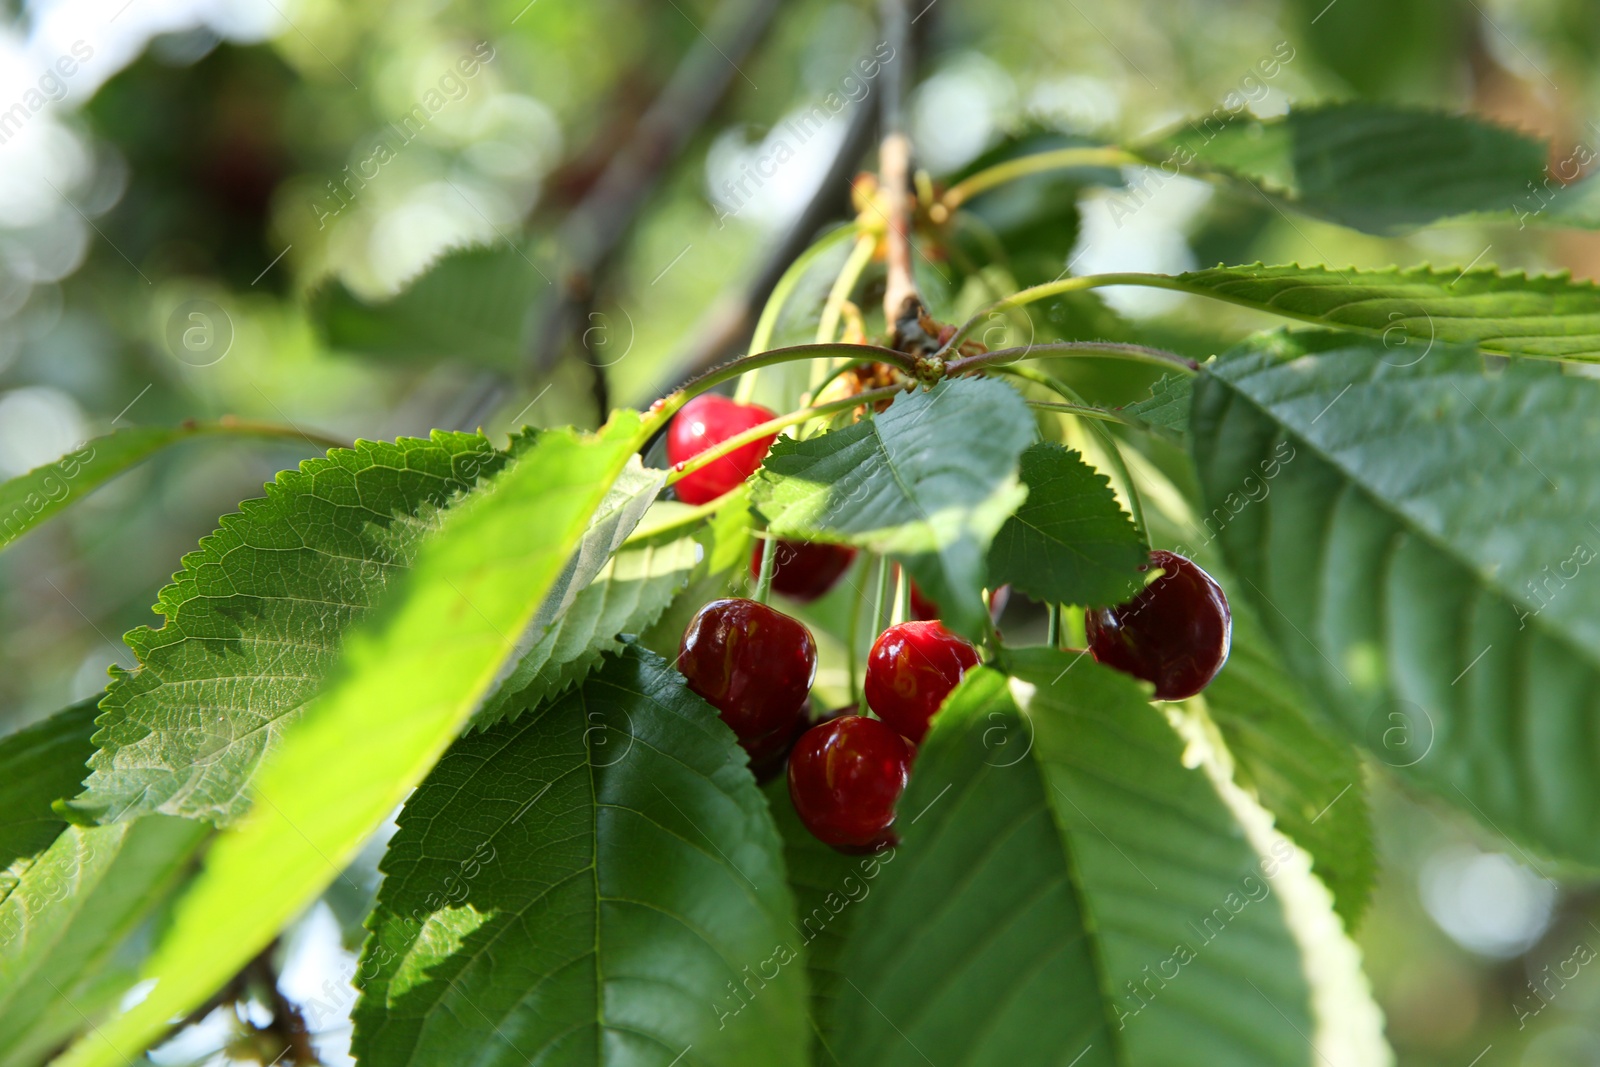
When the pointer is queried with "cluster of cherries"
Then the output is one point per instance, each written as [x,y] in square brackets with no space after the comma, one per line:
[846,770]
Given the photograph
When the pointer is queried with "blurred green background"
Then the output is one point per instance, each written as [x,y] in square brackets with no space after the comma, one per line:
[222,166]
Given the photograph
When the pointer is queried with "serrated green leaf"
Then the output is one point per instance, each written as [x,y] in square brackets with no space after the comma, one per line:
[1375,167]
[29,499]
[626,597]
[410,678]
[557,638]
[1067,887]
[930,481]
[256,620]
[587,883]
[1310,781]
[1414,310]
[1070,542]
[828,888]
[39,765]
[73,907]
[472,304]
[1423,561]
[1167,406]
[724,544]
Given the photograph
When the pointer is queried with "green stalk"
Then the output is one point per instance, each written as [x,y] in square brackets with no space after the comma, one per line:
[1037,163]
[843,285]
[769,554]
[768,322]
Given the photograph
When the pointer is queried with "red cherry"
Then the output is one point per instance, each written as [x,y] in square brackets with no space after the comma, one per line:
[804,570]
[1175,633]
[911,669]
[769,752]
[752,663]
[845,777]
[708,420]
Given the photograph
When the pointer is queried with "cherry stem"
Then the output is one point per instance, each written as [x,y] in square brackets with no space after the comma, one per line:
[761,339]
[1037,163]
[687,517]
[1070,285]
[849,275]
[772,357]
[1084,410]
[902,597]
[773,426]
[769,553]
[879,596]
[1001,357]
[1052,632]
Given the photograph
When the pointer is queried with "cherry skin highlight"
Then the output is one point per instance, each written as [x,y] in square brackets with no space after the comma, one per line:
[845,777]
[709,420]
[804,570]
[1175,633]
[753,663]
[911,669]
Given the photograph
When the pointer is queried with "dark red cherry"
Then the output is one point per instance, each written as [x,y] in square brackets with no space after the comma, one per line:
[1175,633]
[708,420]
[911,669]
[845,777]
[769,752]
[754,664]
[804,570]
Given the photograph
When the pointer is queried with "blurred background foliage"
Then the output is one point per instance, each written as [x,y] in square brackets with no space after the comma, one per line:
[201,153]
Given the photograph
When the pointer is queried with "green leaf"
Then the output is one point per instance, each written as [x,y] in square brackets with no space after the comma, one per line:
[828,888]
[627,596]
[930,481]
[29,499]
[724,547]
[39,765]
[1310,781]
[74,906]
[1375,167]
[572,628]
[588,883]
[256,620]
[1068,887]
[472,304]
[410,677]
[1167,406]
[1414,310]
[1070,542]
[1424,561]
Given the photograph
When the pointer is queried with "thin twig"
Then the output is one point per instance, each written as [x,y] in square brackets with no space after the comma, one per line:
[900,300]
[723,331]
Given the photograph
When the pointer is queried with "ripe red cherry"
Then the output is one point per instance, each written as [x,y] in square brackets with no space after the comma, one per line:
[752,663]
[708,420]
[845,777]
[911,669]
[1175,633]
[769,752]
[804,570]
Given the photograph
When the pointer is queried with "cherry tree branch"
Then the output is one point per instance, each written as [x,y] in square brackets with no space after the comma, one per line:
[900,299]
[594,230]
